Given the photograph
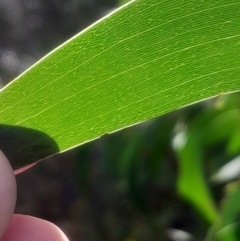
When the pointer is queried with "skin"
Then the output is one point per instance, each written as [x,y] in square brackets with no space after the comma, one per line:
[16,227]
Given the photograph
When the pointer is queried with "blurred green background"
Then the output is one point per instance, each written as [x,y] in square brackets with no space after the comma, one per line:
[172,178]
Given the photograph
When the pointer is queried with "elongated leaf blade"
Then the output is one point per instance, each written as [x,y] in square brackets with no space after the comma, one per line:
[192,185]
[146,59]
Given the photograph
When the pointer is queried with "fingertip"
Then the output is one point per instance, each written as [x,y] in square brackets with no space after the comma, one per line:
[27,228]
[8,193]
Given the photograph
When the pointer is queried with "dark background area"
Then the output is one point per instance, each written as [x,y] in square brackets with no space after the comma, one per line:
[31,28]
[124,186]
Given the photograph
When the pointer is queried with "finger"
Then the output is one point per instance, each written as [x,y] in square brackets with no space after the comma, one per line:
[8,193]
[27,228]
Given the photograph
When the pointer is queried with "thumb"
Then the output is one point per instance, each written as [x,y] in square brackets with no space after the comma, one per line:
[8,193]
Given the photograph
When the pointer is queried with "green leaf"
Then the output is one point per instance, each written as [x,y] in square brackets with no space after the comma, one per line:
[121,2]
[146,59]
[228,226]
[191,182]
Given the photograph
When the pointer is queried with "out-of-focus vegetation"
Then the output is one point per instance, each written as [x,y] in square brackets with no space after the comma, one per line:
[170,178]
[175,172]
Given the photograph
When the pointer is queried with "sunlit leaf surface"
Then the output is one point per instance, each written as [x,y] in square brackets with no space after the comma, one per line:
[146,59]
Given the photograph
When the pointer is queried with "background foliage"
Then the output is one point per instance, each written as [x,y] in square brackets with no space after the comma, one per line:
[171,178]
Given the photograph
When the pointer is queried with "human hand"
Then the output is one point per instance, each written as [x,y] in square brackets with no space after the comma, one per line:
[16,227]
